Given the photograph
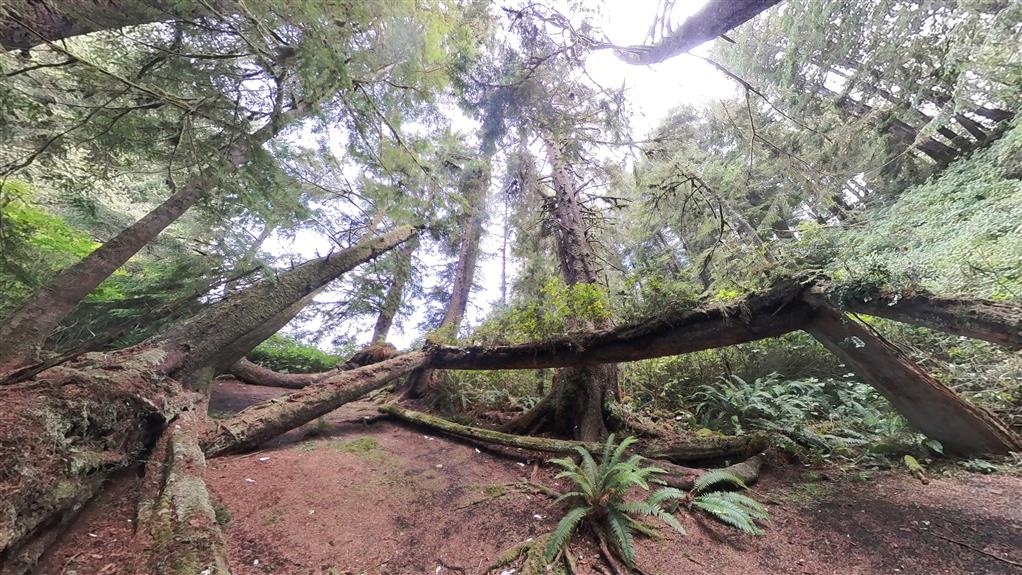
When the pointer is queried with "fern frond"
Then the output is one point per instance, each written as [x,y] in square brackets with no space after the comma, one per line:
[621,536]
[726,512]
[563,532]
[717,477]
[640,527]
[665,494]
[569,495]
[670,520]
[752,507]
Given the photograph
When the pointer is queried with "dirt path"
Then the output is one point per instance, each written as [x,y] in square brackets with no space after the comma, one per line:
[391,499]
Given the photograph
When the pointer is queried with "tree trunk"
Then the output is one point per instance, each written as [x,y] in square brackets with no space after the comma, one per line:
[769,313]
[63,434]
[176,524]
[996,322]
[574,405]
[217,338]
[27,23]
[268,419]
[928,405]
[255,374]
[974,128]
[475,183]
[23,333]
[73,425]
[395,293]
[715,19]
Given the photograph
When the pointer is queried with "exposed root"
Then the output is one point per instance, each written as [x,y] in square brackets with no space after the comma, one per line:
[527,557]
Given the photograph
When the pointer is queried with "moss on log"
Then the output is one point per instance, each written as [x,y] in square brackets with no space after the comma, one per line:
[177,526]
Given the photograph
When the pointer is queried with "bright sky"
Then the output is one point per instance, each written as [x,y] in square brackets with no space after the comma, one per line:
[652,92]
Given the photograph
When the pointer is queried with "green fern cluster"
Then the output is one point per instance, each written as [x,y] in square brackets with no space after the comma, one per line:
[598,494]
[711,494]
[599,498]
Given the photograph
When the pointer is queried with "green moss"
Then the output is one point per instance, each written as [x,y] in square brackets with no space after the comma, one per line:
[363,446]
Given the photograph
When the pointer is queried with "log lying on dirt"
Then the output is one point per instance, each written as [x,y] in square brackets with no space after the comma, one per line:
[760,315]
[255,374]
[676,476]
[927,404]
[996,322]
[268,419]
[177,526]
[699,448]
[713,447]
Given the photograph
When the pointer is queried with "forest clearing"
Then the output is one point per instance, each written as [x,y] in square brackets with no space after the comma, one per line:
[510,288]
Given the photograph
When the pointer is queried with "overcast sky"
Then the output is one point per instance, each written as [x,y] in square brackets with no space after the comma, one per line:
[652,92]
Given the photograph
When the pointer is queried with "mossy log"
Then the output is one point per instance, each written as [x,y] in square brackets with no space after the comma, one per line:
[266,420]
[699,447]
[760,315]
[177,527]
[714,447]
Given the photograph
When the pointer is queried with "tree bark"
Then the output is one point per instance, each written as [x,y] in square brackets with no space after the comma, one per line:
[176,524]
[255,374]
[996,322]
[24,332]
[715,19]
[395,293]
[578,395]
[217,338]
[475,182]
[760,315]
[266,420]
[64,433]
[27,23]
[928,405]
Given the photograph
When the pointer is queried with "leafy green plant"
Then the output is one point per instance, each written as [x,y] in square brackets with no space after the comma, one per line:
[713,495]
[598,497]
[286,355]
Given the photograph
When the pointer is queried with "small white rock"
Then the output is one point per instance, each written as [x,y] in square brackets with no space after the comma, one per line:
[264,459]
[249,480]
[439,465]
[537,516]
[93,535]
[256,562]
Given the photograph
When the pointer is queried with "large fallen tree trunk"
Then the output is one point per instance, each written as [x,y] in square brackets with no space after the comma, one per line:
[268,419]
[64,432]
[176,523]
[760,315]
[927,404]
[715,19]
[996,322]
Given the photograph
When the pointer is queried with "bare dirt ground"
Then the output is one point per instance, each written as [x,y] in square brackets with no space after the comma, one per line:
[344,497]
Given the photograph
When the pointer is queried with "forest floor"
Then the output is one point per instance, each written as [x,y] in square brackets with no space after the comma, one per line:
[342,497]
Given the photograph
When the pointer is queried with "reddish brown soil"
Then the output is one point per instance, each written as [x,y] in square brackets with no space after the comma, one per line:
[390,499]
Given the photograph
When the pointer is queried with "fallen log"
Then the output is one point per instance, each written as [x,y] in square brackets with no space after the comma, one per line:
[66,431]
[996,322]
[177,527]
[928,405]
[255,374]
[760,315]
[263,421]
[715,448]
[697,448]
